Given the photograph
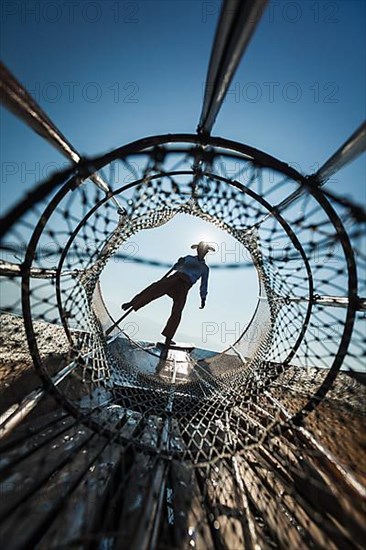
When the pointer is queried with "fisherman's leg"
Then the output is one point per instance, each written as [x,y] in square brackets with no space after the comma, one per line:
[179,302]
[150,293]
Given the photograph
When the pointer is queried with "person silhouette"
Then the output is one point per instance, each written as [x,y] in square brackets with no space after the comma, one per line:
[188,270]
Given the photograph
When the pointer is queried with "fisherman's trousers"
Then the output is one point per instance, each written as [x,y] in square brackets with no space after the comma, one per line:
[176,286]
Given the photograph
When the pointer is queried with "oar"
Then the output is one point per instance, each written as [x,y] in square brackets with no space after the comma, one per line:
[109,330]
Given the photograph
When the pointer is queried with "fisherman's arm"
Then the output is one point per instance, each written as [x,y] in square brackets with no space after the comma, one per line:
[203,288]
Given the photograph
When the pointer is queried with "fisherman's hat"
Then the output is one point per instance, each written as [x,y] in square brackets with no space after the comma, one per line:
[203,246]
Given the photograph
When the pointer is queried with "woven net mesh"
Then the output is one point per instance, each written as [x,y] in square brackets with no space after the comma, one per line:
[238,448]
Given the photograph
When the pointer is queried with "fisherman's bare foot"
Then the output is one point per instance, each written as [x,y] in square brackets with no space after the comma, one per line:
[169,342]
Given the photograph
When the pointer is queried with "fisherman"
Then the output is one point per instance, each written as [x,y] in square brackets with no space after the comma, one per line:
[188,270]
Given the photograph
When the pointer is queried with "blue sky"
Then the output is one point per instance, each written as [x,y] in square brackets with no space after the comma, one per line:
[111,72]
